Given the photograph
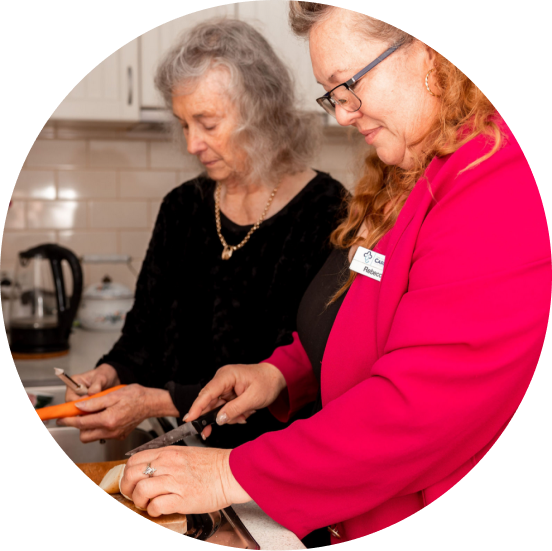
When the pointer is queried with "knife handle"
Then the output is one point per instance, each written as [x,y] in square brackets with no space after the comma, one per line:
[208,419]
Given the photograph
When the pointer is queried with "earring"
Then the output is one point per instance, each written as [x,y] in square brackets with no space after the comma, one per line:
[427,83]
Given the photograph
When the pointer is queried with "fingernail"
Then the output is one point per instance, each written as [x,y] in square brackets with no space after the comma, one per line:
[242,422]
[222,418]
[203,436]
[185,418]
[81,405]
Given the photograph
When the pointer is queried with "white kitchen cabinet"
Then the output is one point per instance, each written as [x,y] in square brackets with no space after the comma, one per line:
[108,93]
[121,88]
[270,18]
[156,42]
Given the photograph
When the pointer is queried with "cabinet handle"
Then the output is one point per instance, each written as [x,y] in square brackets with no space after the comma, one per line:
[130,90]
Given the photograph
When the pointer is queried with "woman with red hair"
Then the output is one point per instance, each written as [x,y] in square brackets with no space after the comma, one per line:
[422,331]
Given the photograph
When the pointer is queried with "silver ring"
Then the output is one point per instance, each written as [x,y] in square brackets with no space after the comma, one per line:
[149,470]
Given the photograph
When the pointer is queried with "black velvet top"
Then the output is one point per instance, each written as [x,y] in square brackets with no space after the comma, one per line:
[194,312]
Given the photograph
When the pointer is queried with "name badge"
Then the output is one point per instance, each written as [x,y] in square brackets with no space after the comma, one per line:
[368,263]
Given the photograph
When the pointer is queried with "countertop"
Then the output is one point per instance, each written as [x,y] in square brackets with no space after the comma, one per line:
[86,348]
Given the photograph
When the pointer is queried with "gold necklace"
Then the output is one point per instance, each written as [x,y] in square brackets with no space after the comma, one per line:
[229,249]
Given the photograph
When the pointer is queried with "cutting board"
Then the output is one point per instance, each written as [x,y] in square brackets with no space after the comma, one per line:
[96,472]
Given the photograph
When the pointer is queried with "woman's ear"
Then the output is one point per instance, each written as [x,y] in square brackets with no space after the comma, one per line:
[431,54]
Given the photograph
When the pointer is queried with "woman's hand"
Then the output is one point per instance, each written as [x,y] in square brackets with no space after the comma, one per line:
[104,376]
[245,388]
[187,480]
[116,414]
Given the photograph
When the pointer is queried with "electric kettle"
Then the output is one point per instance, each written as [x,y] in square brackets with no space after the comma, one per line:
[41,314]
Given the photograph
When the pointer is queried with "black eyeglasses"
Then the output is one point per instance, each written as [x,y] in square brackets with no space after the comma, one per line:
[343,94]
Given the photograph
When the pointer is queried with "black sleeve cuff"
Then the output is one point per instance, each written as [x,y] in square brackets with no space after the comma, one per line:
[183,396]
[126,374]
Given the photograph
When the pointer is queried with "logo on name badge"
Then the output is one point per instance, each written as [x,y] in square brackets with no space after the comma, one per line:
[368,263]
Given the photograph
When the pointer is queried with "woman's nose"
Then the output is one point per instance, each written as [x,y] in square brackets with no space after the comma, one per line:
[195,143]
[346,118]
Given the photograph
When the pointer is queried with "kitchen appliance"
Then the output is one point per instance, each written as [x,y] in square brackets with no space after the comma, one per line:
[105,304]
[41,313]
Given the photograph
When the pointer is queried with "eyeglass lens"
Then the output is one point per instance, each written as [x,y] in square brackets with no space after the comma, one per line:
[343,97]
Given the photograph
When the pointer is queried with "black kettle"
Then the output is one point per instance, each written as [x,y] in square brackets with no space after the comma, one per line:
[41,314]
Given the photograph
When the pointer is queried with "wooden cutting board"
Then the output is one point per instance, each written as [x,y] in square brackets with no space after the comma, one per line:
[96,472]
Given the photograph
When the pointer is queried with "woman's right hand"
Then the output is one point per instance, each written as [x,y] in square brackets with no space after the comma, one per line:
[101,378]
[244,389]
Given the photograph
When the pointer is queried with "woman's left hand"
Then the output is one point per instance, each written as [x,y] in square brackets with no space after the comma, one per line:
[187,480]
[118,413]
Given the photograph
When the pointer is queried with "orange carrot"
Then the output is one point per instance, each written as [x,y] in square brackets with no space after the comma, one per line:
[69,409]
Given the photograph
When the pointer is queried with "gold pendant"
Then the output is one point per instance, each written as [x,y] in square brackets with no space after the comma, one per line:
[227,253]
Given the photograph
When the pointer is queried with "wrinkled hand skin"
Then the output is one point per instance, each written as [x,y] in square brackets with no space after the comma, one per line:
[118,413]
[104,376]
[187,480]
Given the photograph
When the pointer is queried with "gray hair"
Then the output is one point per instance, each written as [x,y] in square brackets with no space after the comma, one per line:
[276,136]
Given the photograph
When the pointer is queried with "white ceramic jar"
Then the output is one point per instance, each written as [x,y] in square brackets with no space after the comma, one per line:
[104,306]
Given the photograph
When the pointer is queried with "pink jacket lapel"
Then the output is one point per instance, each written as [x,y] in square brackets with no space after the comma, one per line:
[347,343]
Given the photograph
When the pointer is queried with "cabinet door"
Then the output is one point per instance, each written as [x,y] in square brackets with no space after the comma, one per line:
[156,42]
[270,18]
[109,92]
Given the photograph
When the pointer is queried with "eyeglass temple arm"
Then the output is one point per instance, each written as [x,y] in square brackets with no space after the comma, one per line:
[360,74]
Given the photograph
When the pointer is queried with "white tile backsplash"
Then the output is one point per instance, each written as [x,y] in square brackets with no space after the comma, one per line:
[16,242]
[56,214]
[35,184]
[153,211]
[99,191]
[90,242]
[118,154]
[15,219]
[120,214]
[146,184]
[92,184]
[135,243]
[57,153]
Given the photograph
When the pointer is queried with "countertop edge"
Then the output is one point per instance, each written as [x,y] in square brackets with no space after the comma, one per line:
[265,531]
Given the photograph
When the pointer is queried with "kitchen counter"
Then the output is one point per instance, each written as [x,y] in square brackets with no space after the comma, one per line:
[86,348]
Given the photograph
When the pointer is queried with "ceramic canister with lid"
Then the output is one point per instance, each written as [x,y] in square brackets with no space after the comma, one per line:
[104,306]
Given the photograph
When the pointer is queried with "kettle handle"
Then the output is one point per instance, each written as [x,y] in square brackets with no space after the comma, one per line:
[66,312]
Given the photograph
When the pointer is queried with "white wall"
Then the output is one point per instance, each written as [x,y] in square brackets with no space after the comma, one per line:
[97,190]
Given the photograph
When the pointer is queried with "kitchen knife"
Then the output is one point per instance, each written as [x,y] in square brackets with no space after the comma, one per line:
[181,432]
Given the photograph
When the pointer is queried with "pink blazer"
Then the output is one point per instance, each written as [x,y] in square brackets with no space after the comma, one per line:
[423,370]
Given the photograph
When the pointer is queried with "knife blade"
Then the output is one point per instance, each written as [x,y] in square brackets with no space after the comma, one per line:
[178,434]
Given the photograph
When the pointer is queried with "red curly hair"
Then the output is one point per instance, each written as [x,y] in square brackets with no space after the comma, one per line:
[382,190]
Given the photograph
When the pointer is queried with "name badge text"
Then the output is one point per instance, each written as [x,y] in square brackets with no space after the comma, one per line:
[368,263]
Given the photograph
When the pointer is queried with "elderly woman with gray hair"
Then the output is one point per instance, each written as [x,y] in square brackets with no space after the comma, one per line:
[233,250]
